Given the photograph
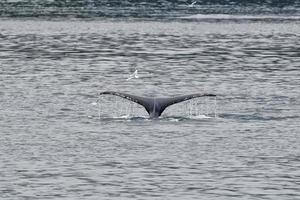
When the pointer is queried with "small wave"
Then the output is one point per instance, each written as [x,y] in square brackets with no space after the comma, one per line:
[256,117]
[241,17]
[163,118]
[186,118]
[123,118]
[201,117]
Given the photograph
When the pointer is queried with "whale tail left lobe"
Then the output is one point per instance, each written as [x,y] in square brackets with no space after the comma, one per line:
[143,101]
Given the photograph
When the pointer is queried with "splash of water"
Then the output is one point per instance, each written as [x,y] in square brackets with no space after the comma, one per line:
[116,107]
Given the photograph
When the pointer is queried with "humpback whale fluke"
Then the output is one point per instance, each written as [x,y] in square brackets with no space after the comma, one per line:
[155,106]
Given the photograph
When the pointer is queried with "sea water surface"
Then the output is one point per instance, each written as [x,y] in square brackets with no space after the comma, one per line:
[54,146]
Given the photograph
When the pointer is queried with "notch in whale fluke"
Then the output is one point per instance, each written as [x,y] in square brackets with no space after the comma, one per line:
[153,105]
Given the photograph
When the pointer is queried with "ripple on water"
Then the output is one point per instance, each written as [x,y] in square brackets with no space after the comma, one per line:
[54,146]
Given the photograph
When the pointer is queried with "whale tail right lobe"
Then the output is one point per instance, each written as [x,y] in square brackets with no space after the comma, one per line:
[163,103]
[155,106]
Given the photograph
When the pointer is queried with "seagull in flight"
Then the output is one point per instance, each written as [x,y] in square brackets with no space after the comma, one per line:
[192,4]
[134,75]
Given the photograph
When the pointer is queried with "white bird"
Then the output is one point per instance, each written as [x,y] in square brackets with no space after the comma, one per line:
[134,75]
[192,4]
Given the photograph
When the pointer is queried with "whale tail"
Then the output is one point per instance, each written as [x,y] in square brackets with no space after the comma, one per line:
[155,106]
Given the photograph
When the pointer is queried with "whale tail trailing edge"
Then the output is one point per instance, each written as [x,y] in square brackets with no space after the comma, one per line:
[143,101]
[155,106]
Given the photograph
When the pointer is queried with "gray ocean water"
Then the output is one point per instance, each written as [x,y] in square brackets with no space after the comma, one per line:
[54,146]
